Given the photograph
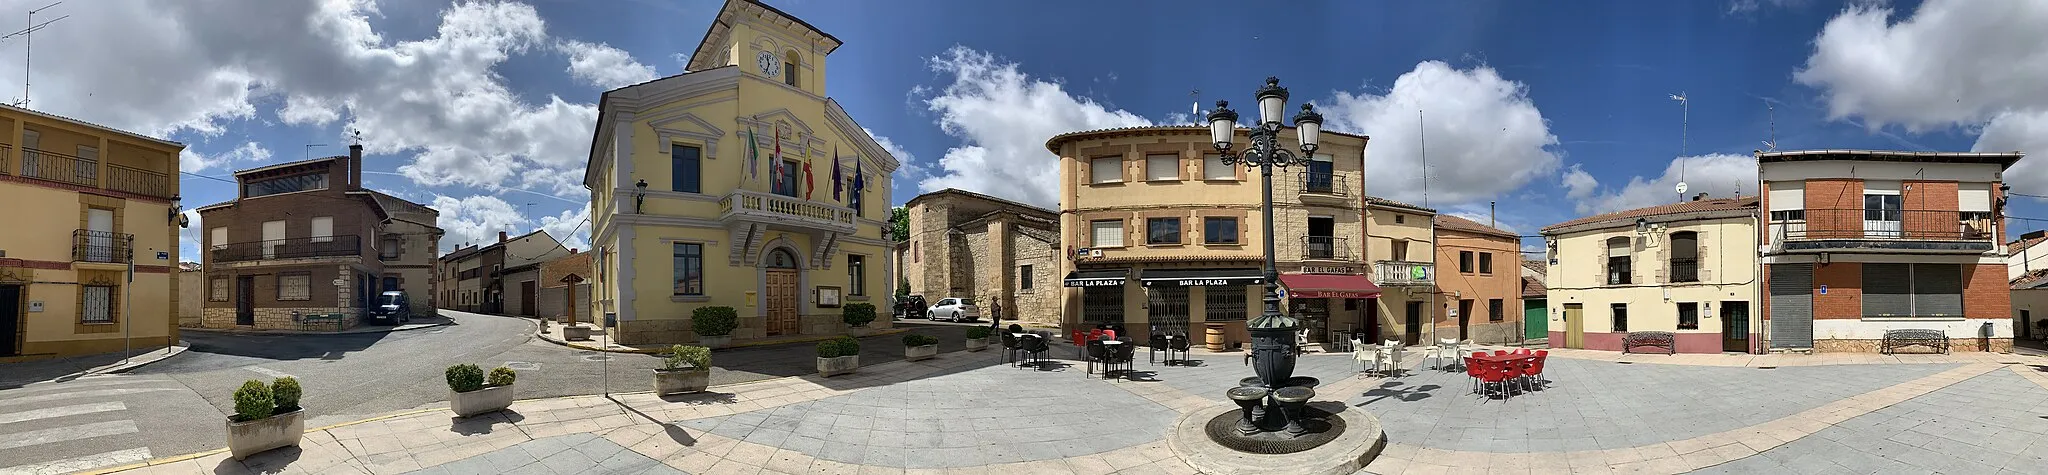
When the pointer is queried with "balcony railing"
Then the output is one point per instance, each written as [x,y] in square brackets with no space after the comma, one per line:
[1685,270]
[1324,247]
[294,248]
[102,246]
[6,166]
[1404,273]
[760,206]
[1892,224]
[137,181]
[1323,183]
[57,167]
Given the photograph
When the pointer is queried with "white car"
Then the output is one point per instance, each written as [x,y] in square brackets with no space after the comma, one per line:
[954,309]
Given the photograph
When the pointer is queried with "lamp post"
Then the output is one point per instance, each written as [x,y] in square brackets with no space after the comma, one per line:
[1273,338]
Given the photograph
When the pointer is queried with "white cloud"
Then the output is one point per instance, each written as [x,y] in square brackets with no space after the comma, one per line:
[1718,175]
[438,99]
[191,161]
[571,227]
[1003,117]
[1578,184]
[909,166]
[476,219]
[1952,62]
[604,66]
[1485,136]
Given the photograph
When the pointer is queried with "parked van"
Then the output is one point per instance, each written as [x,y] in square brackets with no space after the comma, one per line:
[392,307]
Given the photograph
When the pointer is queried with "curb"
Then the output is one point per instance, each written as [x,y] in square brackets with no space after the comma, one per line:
[550,338]
[299,333]
[182,347]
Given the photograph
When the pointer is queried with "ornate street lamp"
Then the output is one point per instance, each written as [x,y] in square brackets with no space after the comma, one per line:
[1273,338]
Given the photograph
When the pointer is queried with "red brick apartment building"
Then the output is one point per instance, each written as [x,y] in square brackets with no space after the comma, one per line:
[1859,242]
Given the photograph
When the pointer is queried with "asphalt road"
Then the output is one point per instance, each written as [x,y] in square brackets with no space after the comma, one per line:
[177,406]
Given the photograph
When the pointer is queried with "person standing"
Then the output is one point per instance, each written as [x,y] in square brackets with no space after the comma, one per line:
[995,317]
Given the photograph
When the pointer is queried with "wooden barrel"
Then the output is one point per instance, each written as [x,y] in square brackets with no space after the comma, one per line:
[1215,331]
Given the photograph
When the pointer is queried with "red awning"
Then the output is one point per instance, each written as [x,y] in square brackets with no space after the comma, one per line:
[1341,286]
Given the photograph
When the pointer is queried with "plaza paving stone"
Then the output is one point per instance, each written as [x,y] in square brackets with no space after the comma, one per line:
[965,413]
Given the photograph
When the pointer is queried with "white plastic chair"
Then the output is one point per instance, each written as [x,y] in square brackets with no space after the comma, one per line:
[1445,348]
[1391,361]
[1367,356]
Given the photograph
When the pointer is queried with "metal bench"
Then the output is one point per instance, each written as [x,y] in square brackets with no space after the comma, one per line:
[1666,340]
[322,319]
[1895,339]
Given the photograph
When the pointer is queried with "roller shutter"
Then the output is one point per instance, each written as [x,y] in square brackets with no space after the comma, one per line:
[1791,305]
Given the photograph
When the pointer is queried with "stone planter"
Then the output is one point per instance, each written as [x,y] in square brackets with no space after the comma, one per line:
[920,353]
[480,401]
[977,344]
[829,367]
[576,333]
[254,437]
[681,381]
[714,341]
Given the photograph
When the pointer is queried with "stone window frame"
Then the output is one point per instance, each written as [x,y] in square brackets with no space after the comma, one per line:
[1179,234]
[856,275]
[1238,172]
[1095,162]
[1179,172]
[112,280]
[1024,277]
[1121,222]
[1243,234]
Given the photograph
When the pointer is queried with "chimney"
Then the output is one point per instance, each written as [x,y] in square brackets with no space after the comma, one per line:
[1701,196]
[355,166]
[501,236]
[572,251]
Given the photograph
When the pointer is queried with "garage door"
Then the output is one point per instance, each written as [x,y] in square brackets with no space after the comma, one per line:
[1791,305]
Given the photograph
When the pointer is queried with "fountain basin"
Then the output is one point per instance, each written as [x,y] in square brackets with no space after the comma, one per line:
[1345,440]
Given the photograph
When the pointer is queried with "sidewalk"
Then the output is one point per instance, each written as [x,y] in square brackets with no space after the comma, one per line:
[65,369]
[553,334]
[417,323]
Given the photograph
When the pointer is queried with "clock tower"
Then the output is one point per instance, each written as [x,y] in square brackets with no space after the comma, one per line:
[768,43]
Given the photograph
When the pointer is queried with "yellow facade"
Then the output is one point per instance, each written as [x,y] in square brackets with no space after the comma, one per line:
[777,259]
[1399,241]
[84,202]
[1171,173]
[1583,282]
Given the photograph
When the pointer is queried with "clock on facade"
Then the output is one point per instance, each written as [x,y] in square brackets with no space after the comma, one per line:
[770,65]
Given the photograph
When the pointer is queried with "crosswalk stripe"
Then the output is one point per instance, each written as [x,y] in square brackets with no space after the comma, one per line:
[62,434]
[267,371]
[47,413]
[88,462]
[80,394]
[44,387]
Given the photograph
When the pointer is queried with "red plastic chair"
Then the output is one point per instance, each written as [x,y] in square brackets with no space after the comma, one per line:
[1512,372]
[1109,334]
[1500,352]
[1080,340]
[1493,374]
[1476,370]
[1521,351]
[1536,369]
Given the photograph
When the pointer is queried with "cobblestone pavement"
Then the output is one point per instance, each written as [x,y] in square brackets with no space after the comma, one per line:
[965,413]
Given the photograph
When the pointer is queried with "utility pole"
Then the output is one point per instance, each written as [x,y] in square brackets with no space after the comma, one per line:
[1684,132]
[28,35]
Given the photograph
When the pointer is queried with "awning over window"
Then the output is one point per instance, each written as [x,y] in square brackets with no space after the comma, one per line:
[1097,278]
[1201,277]
[1315,286]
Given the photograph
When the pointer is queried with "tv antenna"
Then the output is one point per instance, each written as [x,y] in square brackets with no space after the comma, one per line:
[1684,131]
[309,149]
[28,35]
[1772,113]
[1196,110]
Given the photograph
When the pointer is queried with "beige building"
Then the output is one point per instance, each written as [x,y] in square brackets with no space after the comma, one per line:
[1160,236]
[1482,298]
[1688,268]
[1401,245]
[2029,278]
[970,245]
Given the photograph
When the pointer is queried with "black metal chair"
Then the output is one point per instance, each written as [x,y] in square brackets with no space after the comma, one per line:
[1010,347]
[1097,352]
[1123,355]
[1178,344]
[1035,347]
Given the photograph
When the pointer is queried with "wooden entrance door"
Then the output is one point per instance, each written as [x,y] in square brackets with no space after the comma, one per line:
[1735,326]
[1412,331]
[245,300]
[781,302]
[10,320]
[526,299]
[1574,325]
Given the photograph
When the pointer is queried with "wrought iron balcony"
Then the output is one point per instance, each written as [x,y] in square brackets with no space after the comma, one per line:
[1883,229]
[1324,183]
[102,246]
[1685,270]
[1404,273]
[138,181]
[57,167]
[773,209]
[294,248]
[1325,248]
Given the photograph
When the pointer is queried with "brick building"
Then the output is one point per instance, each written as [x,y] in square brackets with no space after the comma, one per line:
[554,291]
[305,237]
[1858,242]
[970,245]
[1482,300]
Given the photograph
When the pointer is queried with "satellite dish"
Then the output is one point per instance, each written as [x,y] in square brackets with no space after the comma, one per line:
[1681,188]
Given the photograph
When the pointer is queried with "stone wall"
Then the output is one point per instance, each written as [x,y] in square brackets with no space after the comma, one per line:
[1041,304]
[1998,345]
[274,318]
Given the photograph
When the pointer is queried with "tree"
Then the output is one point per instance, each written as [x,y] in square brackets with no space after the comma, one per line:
[899,224]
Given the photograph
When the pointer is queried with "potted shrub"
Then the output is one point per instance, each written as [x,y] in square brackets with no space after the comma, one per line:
[266,417]
[977,338]
[917,347]
[470,394]
[857,315]
[714,325]
[685,369]
[838,356]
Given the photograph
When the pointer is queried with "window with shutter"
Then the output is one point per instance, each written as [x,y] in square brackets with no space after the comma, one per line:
[1162,167]
[1107,233]
[1887,290]
[1106,170]
[1214,169]
[1937,290]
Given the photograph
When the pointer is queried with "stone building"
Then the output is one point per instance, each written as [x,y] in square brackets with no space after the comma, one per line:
[970,245]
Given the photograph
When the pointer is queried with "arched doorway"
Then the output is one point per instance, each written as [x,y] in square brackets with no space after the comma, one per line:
[780,295]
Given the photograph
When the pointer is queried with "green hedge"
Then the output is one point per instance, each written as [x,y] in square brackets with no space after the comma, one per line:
[714,321]
[857,314]
[919,339]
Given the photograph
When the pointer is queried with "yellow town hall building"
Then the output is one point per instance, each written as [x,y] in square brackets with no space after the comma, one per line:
[738,184]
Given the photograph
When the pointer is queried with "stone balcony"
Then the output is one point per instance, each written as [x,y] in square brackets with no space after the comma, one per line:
[753,207]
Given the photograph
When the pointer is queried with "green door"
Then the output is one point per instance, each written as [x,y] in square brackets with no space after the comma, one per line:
[1535,319]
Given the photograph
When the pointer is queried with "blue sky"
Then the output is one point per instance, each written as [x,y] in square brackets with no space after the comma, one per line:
[1554,110]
